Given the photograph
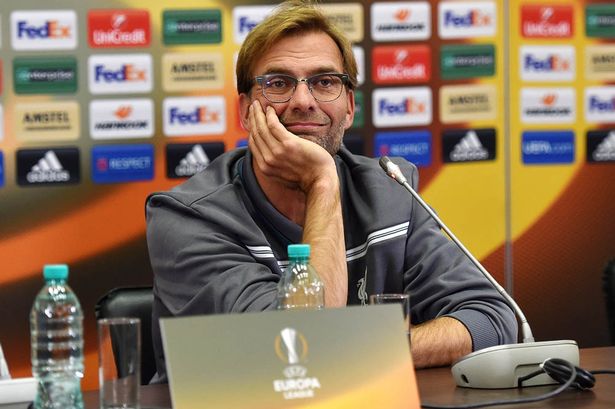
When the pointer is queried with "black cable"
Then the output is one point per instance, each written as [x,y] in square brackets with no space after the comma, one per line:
[555,367]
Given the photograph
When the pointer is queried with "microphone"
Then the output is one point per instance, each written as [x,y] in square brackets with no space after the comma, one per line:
[499,366]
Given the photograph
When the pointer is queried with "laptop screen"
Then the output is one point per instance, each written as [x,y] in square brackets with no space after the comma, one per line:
[354,357]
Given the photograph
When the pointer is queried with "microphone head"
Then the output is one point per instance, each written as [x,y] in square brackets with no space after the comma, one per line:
[384,163]
[392,170]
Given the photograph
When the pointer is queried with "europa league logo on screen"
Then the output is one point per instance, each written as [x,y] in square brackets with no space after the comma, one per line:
[292,349]
[291,346]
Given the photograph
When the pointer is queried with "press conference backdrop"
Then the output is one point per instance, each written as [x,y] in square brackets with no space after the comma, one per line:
[505,107]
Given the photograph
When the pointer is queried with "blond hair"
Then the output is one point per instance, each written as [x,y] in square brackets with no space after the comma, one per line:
[290,18]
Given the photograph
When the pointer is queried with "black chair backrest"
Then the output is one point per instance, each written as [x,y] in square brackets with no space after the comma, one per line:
[133,302]
[609,293]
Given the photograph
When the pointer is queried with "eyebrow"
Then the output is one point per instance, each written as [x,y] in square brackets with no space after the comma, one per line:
[286,71]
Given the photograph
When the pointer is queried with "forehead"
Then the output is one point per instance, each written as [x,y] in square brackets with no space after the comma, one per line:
[301,54]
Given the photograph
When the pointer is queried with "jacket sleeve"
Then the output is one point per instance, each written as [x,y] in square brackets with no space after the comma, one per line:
[442,281]
[200,266]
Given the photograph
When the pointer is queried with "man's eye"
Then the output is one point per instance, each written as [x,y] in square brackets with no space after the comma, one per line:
[323,82]
[277,83]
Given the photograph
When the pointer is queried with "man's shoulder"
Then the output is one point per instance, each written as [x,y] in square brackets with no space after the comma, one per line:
[369,168]
[217,179]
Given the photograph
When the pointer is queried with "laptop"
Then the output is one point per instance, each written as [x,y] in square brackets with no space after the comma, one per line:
[354,357]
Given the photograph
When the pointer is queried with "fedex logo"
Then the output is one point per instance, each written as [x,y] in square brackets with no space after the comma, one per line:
[126,73]
[554,63]
[467,19]
[50,29]
[600,104]
[401,106]
[40,30]
[199,115]
[120,73]
[473,18]
[194,116]
[245,18]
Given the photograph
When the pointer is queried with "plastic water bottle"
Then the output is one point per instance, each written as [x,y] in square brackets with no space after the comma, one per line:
[300,286]
[56,328]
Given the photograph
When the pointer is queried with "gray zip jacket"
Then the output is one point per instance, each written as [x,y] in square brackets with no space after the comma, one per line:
[217,245]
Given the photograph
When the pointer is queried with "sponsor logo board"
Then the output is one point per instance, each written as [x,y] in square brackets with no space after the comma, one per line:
[120,73]
[463,103]
[466,19]
[1,169]
[600,20]
[401,64]
[48,167]
[348,17]
[468,145]
[550,64]
[548,105]
[112,28]
[600,104]
[414,146]
[196,26]
[44,30]
[187,159]
[121,118]
[186,72]
[1,123]
[47,121]
[359,56]
[245,18]
[122,163]
[359,110]
[45,75]
[409,106]
[546,21]
[600,62]
[547,147]
[400,21]
[187,116]
[467,61]
[601,146]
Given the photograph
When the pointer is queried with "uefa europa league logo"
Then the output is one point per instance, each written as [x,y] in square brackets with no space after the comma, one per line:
[291,346]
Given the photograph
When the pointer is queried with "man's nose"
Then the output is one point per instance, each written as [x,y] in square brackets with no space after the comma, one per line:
[303,96]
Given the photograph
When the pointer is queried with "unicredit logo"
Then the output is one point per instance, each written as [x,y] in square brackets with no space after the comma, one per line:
[126,73]
[118,28]
[546,21]
[200,115]
[50,29]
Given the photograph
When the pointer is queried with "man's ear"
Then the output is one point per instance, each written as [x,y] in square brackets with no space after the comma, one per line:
[349,109]
[244,110]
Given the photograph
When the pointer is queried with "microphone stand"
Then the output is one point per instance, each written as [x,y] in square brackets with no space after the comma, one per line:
[499,366]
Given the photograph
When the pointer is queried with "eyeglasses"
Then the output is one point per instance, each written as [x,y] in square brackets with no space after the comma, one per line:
[279,88]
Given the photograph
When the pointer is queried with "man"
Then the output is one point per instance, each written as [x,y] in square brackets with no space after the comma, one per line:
[217,241]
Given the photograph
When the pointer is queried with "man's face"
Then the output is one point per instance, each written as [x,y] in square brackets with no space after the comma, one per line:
[302,56]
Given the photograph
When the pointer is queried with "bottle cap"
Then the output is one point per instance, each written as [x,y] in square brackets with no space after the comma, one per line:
[298,250]
[55,272]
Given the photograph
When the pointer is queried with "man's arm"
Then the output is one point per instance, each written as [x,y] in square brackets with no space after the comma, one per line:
[294,161]
[439,342]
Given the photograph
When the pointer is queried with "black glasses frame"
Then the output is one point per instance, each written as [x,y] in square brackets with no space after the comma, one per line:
[262,79]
